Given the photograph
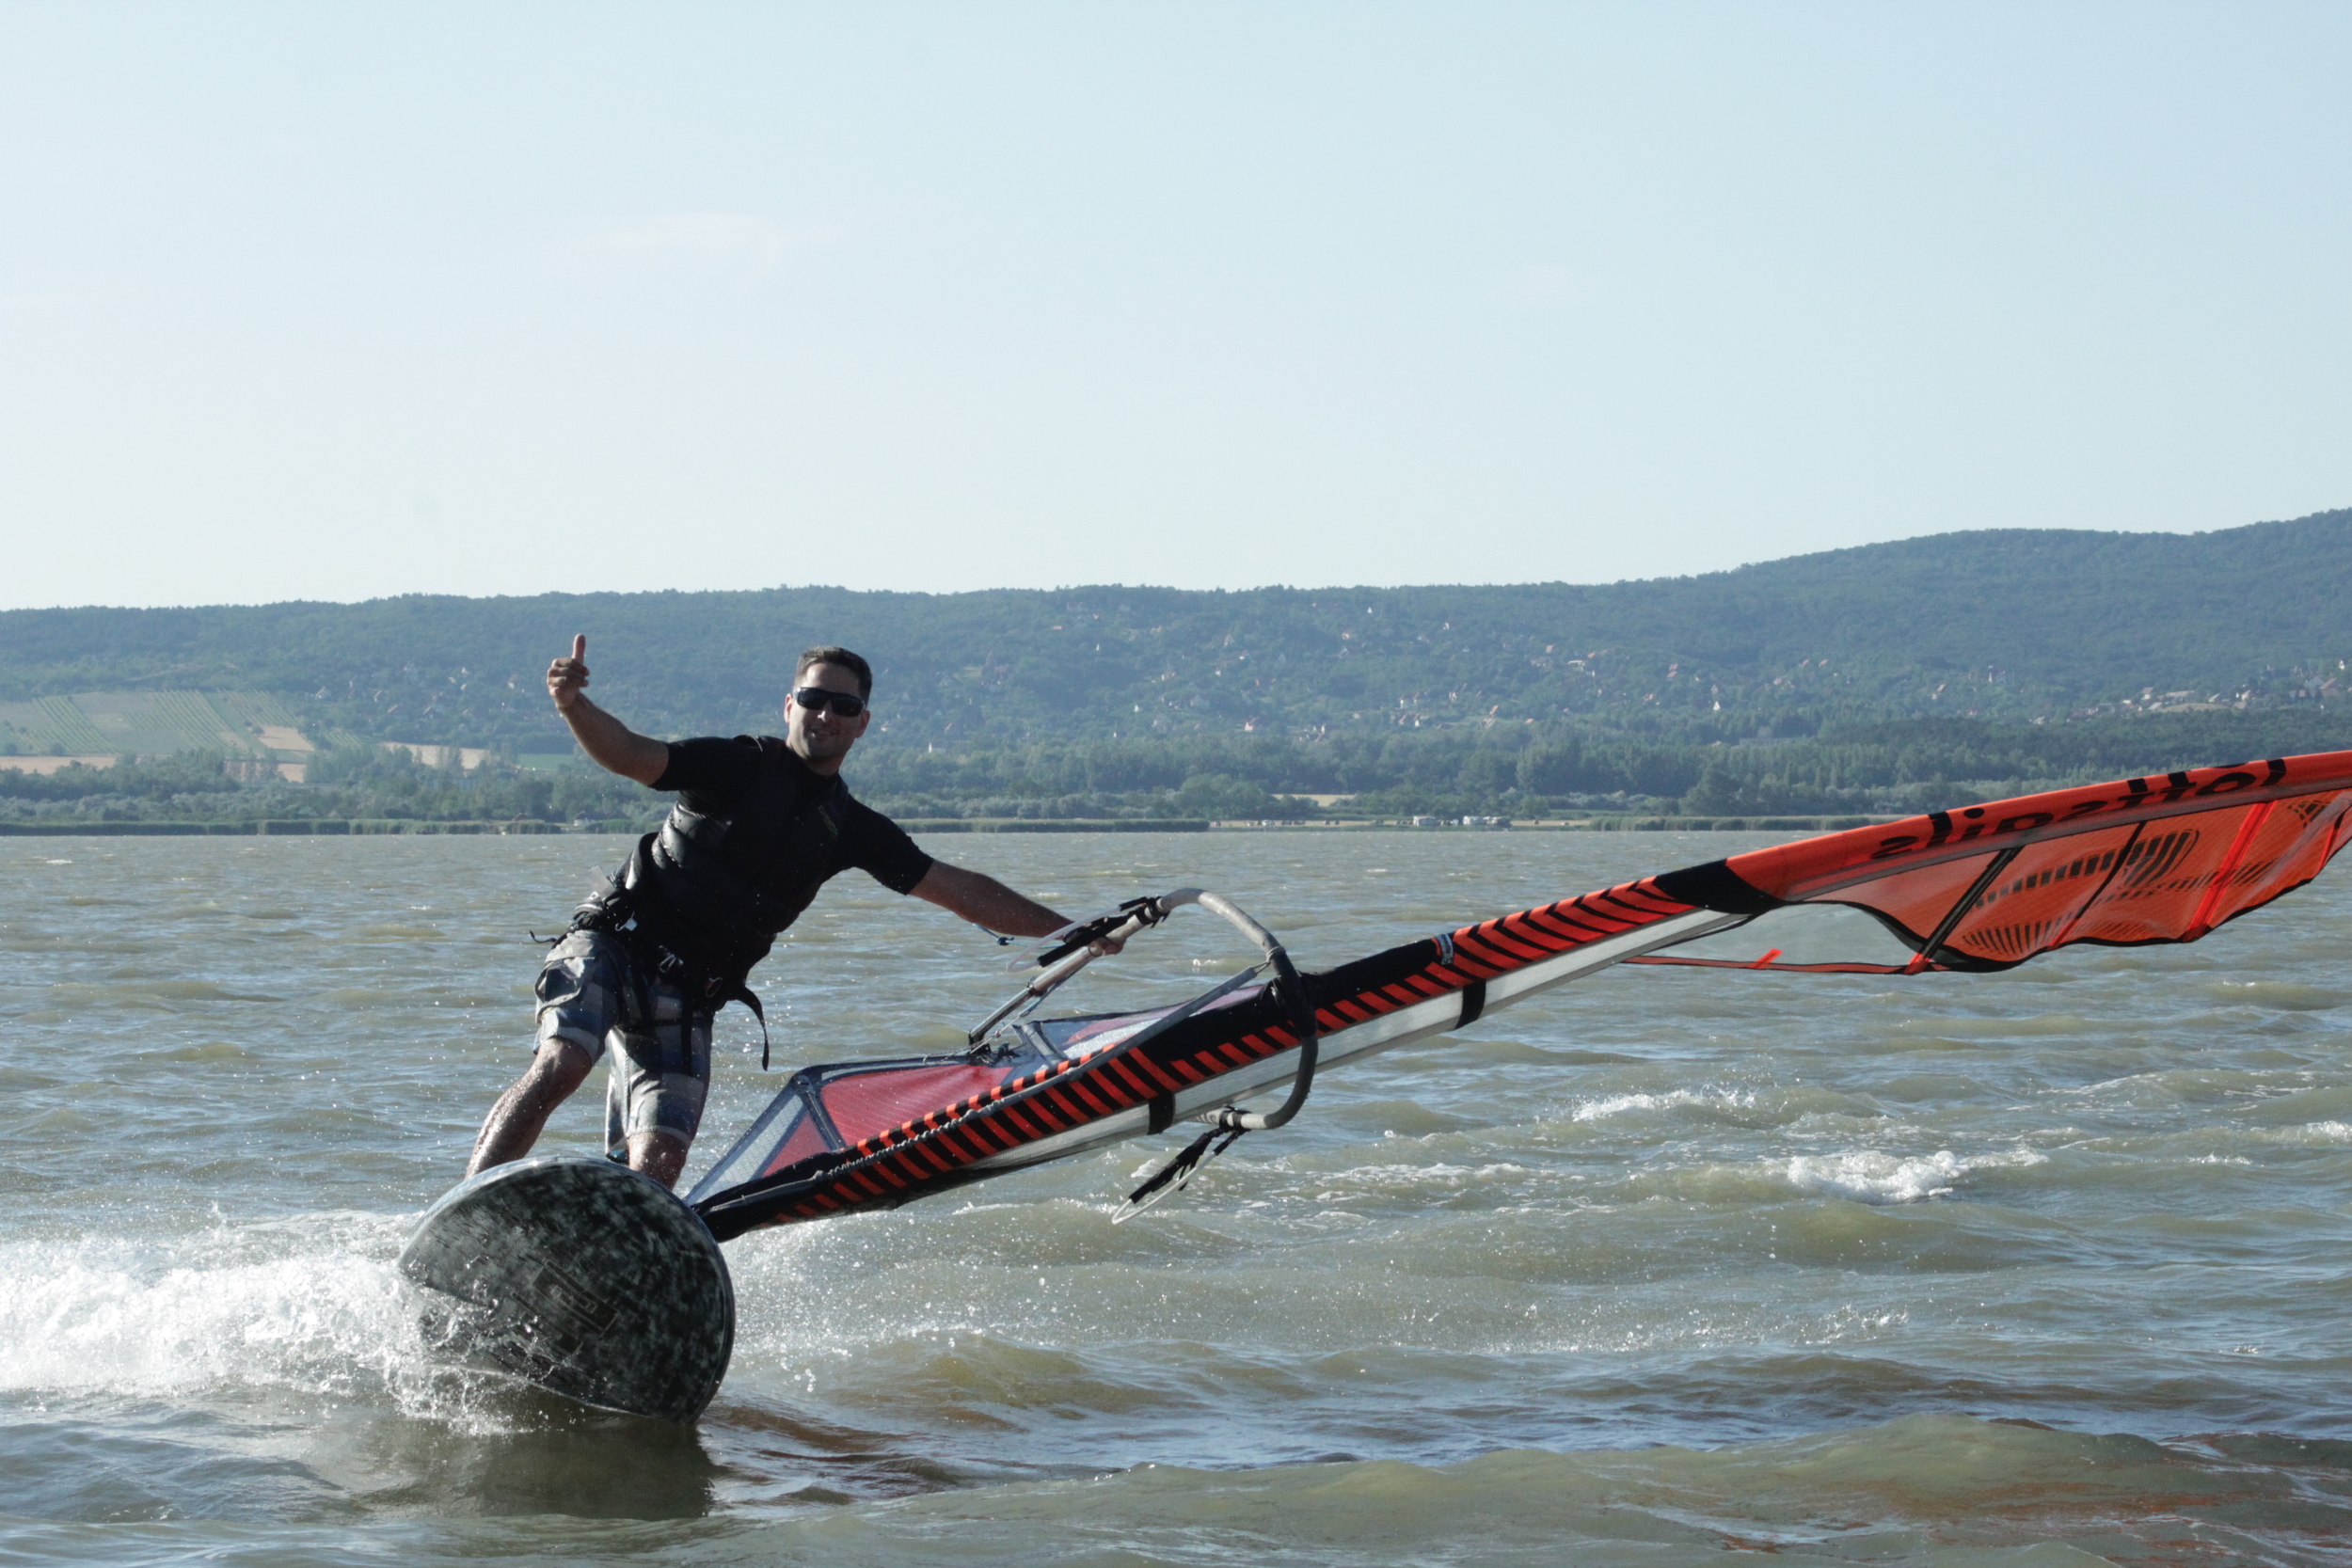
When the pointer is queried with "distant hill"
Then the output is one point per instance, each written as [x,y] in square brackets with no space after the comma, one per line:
[2009,624]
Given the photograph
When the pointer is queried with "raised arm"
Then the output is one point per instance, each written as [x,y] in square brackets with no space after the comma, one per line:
[611,744]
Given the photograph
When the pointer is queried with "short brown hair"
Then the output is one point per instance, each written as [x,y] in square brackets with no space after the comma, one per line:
[847,660]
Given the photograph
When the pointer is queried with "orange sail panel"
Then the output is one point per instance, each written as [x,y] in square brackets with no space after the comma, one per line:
[2147,860]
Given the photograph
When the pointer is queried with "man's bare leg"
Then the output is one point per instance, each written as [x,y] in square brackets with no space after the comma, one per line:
[659,1155]
[514,1122]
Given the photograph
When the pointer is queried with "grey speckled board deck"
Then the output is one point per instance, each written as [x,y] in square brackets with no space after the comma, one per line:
[584,1278]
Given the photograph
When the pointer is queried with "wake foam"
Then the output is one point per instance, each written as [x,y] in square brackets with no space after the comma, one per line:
[314,1308]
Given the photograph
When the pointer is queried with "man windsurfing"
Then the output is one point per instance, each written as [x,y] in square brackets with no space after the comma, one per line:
[760,824]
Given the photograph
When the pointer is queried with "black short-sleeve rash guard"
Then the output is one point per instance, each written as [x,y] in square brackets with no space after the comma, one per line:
[712,775]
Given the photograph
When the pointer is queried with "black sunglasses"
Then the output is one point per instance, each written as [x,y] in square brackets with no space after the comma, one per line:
[816,699]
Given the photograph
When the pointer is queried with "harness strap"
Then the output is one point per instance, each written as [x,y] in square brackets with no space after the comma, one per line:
[743,993]
[714,989]
[615,914]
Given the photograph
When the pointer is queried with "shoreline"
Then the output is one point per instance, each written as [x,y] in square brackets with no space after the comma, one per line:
[342,828]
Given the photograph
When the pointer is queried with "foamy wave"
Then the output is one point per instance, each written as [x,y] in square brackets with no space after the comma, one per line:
[2309,1132]
[85,1323]
[1870,1177]
[1415,1178]
[107,1317]
[1593,1110]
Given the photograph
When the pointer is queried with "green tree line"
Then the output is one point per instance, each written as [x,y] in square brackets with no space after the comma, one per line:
[348,782]
[1875,766]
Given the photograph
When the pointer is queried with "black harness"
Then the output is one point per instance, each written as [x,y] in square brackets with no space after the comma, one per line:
[702,899]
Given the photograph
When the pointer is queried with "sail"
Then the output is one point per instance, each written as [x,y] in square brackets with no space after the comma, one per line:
[2149,860]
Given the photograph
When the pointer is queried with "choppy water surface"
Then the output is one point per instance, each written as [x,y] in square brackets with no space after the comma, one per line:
[2022,1267]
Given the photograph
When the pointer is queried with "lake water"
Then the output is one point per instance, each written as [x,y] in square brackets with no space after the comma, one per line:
[2034,1268]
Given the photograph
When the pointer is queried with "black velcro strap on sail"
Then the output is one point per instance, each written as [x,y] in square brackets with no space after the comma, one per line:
[1162,1112]
[1715,886]
[1474,1003]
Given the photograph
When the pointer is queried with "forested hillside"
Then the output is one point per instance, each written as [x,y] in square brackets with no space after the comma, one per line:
[2007,625]
[1885,678]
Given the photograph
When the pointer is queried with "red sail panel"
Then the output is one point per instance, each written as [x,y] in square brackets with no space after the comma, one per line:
[1813,866]
[1919,898]
[2044,893]
[805,1143]
[866,1104]
[2149,860]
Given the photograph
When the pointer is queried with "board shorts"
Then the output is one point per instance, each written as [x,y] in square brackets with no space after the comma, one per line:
[595,993]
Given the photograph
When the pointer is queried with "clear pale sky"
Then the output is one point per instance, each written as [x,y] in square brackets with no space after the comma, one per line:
[337,301]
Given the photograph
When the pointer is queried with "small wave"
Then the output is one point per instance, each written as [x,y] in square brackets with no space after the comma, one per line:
[1409,1178]
[2330,1103]
[1594,1110]
[1870,1177]
[1999,1028]
[153,992]
[2309,1132]
[2279,995]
